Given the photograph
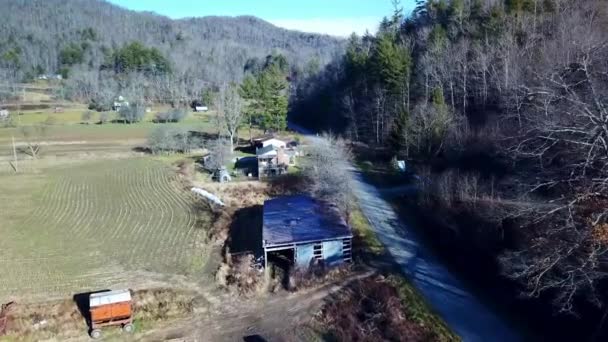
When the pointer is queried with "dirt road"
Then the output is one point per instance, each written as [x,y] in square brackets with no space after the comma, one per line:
[277,317]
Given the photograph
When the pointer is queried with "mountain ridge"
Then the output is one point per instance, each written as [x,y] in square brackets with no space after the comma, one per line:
[213,48]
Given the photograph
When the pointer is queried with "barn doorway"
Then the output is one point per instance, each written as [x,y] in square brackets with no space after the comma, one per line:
[280,263]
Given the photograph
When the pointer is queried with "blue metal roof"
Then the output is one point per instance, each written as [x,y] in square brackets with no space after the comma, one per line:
[298,219]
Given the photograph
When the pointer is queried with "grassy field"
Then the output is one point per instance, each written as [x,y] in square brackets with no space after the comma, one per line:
[70,122]
[86,226]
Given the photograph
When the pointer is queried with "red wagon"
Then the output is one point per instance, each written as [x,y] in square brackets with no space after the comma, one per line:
[111,308]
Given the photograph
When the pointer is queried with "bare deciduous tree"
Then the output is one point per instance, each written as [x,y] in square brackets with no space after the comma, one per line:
[230,112]
[33,137]
[328,172]
[219,154]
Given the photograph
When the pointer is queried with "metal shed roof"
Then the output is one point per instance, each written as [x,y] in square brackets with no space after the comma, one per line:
[299,219]
[109,297]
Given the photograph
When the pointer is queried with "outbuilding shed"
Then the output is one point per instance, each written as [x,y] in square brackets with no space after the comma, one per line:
[305,230]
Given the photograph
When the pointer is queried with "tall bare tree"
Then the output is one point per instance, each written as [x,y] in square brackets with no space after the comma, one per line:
[229,112]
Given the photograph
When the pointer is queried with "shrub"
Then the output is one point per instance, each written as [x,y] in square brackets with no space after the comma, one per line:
[50,120]
[169,139]
[172,115]
[87,116]
[132,113]
[104,117]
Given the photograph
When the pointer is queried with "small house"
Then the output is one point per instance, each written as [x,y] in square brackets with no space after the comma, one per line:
[4,114]
[272,161]
[306,231]
[201,108]
[119,103]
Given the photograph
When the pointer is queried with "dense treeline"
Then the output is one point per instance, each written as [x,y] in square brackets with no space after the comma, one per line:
[523,83]
[102,48]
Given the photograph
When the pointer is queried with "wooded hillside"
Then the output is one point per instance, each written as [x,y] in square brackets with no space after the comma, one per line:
[497,101]
[82,39]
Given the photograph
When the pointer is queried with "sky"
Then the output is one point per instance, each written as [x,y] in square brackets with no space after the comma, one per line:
[334,17]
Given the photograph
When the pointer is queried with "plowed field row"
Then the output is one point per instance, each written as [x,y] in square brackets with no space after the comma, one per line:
[85,227]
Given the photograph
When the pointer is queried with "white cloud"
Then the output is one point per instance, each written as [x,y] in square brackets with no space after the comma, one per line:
[341,27]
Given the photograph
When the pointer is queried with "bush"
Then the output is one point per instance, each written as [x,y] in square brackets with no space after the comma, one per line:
[168,139]
[172,115]
[50,120]
[132,113]
[104,117]
[86,116]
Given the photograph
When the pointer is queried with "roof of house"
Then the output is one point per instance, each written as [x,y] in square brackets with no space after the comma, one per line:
[300,219]
[265,150]
[264,137]
[272,141]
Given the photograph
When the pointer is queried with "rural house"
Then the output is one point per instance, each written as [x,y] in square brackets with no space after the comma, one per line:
[119,104]
[274,156]
[305,231]
[272,161]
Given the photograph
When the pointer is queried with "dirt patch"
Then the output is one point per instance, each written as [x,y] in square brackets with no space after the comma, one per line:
[372,309]
[240,274]
[65,318]
[238,197]
[239,194]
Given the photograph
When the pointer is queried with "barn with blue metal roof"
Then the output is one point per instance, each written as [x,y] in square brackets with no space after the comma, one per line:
[306,230]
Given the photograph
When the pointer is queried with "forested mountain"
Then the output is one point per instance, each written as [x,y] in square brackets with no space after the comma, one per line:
[80,38]
[504,103]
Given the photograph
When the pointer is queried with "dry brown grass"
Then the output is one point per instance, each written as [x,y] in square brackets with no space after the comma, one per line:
[319,275]
[240,275]
[185,168]
[236,196]
[374,309]
[239,194]
[600,233]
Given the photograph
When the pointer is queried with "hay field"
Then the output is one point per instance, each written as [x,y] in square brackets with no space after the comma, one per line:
[93,225]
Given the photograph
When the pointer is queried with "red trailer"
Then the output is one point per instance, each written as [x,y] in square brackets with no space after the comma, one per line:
[111,308]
